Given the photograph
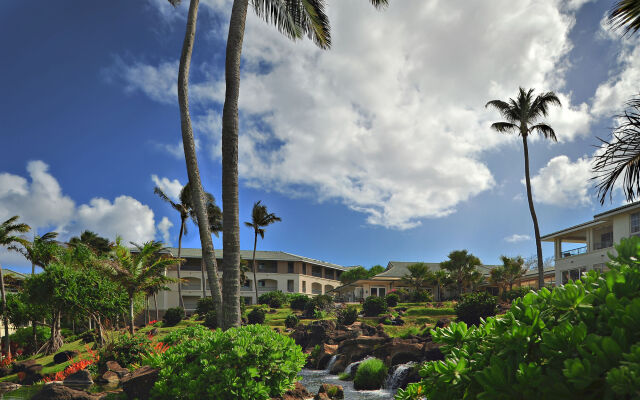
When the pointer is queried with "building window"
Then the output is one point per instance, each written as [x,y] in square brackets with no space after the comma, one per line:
[572,274]
[304,268]
[290,267]
[304,287]
[330,273]
[247,284]
[635,223]
[378,291]
[267,266]
[290,285]
[316,271]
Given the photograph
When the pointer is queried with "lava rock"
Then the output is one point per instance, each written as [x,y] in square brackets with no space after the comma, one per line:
[138,384]
[79,378]
[64,356]
[61,392]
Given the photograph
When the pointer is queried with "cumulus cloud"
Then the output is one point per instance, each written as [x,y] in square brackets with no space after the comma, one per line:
[125,217]
[563,182]
[170,187]
[163,226]
[391,121]
[611,96]
[515,238]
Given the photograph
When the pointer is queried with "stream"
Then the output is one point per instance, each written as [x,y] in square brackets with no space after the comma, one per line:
[312,379]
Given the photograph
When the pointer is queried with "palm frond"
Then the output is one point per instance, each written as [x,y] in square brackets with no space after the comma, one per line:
[540,106]
[545,130]
[503,127]
[626,15]
[164,197]
[379,3]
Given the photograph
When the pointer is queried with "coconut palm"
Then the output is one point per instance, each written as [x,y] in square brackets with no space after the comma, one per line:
[460,266]
[40,251]
[513,268]
[98,244]
[8,238]
[419,275]
[521,115]
[140,270]
[260,218]
[626,15]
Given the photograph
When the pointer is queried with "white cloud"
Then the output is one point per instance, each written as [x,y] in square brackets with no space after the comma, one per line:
[515,238]
[163,226]
[39,203]
[170,187]
[126,217]
[563,183]
[391,121]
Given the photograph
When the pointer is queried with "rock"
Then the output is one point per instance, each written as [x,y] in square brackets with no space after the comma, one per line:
[115,367]
[79,378]
[64,356]
[399,351]
[22,366]
[4,372]
[339,365]
[8,386]
[333,392]
[153,332]
[432,352]
[30,379]
[61,392]
[139,383]
[299,392]
[321,396]
[443,323]
[398,321]
[326,352]
[109,377]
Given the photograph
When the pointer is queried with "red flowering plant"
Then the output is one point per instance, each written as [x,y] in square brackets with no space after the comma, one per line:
[80,364]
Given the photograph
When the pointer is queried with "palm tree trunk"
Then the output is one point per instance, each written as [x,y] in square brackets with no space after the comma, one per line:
[155,302]
[191,161]
[34,328]
[536,230]
[255,282]
[147,313]
[5,320]
[230,212]
[180,300]
[204,286]
[131,327]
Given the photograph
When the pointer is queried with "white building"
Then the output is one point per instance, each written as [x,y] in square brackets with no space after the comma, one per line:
[585,246]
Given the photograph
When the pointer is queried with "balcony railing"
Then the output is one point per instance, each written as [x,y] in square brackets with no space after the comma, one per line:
[603,245]
[574,252]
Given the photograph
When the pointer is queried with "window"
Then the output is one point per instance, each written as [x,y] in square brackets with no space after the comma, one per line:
[246,284]
[290,285]
[635,223]
[304,286]
[606,240]
[316,271]
[304,268]
[267,266]
[572,274]
[378,291]
[330,273]
[290,267]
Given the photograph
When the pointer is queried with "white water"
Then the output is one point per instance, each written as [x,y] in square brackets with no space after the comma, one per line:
[350,366]
[312,379]
[331,362]
[394,380]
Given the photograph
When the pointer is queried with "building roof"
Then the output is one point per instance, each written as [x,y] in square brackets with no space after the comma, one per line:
[398,269]
[14,274]
[618,210]
[260,255]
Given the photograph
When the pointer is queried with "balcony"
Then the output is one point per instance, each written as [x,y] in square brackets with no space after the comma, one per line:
[574,252]
[603,245]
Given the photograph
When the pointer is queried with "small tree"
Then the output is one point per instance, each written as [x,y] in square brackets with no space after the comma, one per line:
[513,269]
[418,277]
[260,218]
[460,266]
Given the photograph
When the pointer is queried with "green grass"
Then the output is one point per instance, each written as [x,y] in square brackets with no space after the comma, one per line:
[415,312]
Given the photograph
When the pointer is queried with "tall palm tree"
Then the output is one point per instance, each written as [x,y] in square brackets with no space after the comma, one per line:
[8,238]
[294,19]
[98,244]
[513,268]
[460,265]
[440,277]
[260,218]
[140,270]
[626,15]
[419,275]
[40,251]
[521,115]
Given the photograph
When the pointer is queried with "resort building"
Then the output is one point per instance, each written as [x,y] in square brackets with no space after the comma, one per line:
[585,246]
[275,270]
[391,278]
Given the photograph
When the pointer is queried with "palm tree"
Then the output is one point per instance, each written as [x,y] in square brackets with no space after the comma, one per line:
[98,244]
[8,238]
[260,218]
[140,270]
[419,275]
[497,277]
[626,14]
[441,278]
[513,268]
[521,115]
[461,265]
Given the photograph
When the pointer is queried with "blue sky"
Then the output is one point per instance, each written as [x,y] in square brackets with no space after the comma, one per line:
[376,150]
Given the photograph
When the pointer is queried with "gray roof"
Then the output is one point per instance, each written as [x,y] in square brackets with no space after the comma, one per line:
[260,255]
[398,269]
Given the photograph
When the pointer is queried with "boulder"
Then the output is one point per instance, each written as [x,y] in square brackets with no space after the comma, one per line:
[432,352]
[299,392]
[8,386]
[4,372]
[321,396]
[400,351]
[60,392]
[153,332]
[332,392]
[339,365]
[443,323]
[326,352]
[64,356]
[22,366]
[115,367]
[79,378]
[138,384]
[109,377]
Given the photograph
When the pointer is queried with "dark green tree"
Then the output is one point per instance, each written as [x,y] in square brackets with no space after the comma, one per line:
[418,277]
[260,219]
[98,244]
[460,266]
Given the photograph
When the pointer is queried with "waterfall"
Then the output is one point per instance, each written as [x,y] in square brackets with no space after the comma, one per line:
[354,364]
[331,362]
[399,375]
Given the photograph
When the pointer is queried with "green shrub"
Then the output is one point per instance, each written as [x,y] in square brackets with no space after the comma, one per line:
[211,320]
[172,316]
[256,316]
[126,350]
[291,321]
[370,375]
[373,306]
[392,299]
[23,337]
[578,341]
[298,301]
[510,295]
[347,315]
[320,303]
[403,295]
[474,306]
[273,299]
[205,304]
[344,376]
[250,362]
[419,296]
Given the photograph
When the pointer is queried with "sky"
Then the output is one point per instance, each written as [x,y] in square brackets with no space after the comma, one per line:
[378,149]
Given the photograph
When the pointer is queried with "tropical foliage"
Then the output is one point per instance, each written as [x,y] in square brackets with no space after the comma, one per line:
[578,341]
[460,267]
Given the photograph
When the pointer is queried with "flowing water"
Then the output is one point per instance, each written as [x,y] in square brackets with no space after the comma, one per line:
[312,379]
[398,377]
[331,362]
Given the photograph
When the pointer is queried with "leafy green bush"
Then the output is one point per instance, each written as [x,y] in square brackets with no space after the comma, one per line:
[474,306]
[392,299]
[347,315]
[291,321]
[510,295]
[403,295]
[250,362]
[320,303]
[419,296]
[578,341]
[205,304]
[256,316]
[273,299]
[370,375]
[23,337]
[173,315]
[211,320]
[373,306]
[298,301]
[126,350]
